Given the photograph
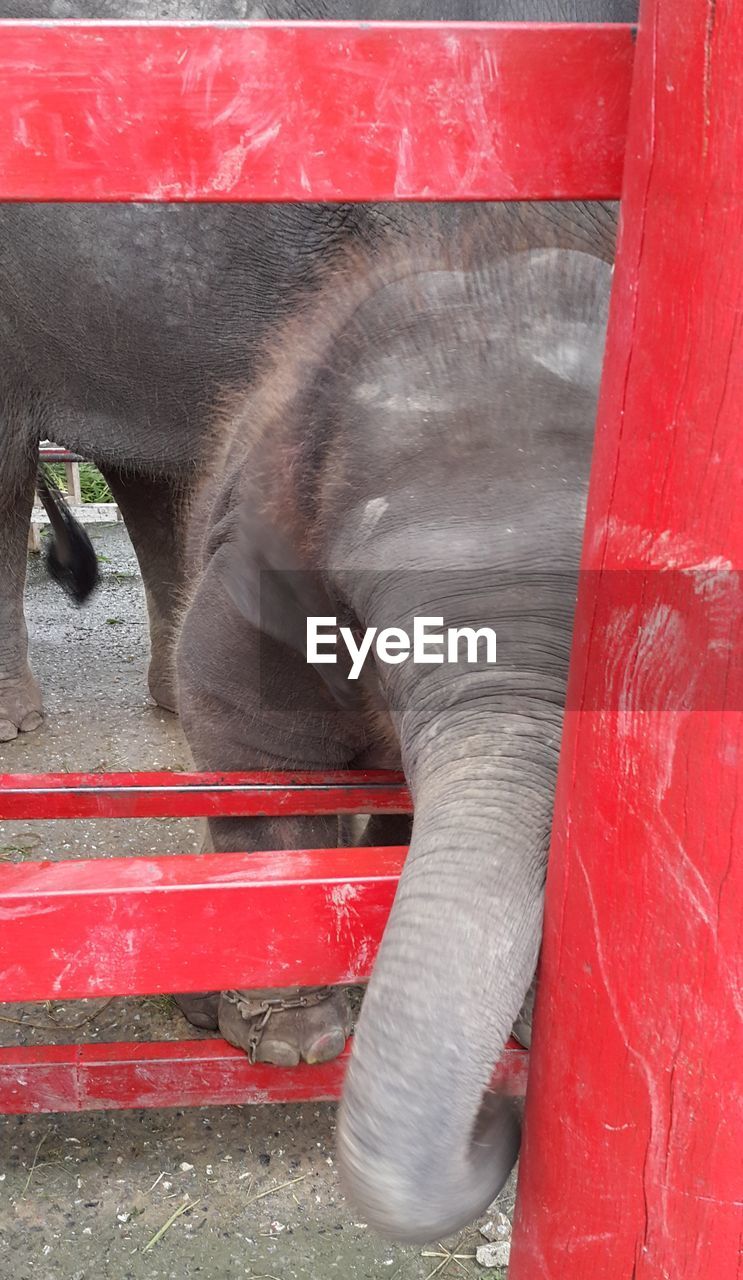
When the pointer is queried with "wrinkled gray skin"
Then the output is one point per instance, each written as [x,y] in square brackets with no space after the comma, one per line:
[119,325]
[422,447]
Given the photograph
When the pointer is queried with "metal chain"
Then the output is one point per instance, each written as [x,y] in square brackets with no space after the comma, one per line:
[263,1010]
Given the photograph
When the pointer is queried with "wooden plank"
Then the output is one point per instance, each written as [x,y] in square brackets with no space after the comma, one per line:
[178,1073]
[72,472]
[631,1165]
[200,795]
[34,536]
[134,926]
[305,111]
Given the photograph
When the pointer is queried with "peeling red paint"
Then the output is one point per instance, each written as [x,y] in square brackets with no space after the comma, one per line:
[134,926]
[178,1073]
[296,111]
[635,1113]
[200,795]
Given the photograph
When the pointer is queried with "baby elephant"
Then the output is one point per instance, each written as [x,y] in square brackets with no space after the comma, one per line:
[412,468]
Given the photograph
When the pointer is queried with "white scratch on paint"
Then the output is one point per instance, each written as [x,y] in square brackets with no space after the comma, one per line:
[20,133]
[404,157]
[233,161]
[342,896]
[664,550]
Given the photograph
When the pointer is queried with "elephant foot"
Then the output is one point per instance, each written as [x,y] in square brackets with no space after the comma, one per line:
[162,687]
[283,1027]
[201,1008]
[308,1024]
[287,1027]
[20,706]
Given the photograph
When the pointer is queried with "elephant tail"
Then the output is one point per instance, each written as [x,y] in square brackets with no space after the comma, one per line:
[70,558]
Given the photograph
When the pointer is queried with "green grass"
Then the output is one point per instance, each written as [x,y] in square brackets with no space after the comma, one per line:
[93,487]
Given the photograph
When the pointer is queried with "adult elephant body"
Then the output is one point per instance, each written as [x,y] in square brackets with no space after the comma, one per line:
[417,443]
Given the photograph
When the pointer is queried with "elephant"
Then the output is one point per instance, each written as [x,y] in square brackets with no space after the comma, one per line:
[393,409]
[417,447]
[121,327]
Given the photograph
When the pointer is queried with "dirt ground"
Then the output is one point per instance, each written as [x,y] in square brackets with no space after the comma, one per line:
[82,1196]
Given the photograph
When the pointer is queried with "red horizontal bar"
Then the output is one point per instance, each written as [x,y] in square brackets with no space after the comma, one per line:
[200,795]
[58,455]
[133,926]
[312,111]
[179,1073]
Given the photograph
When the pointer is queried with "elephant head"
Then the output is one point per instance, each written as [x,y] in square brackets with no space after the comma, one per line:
[440,460]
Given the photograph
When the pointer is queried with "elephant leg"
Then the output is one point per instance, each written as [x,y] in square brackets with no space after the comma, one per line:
[386,829]
[155,512]
[252,704]
[20,696]
[316,1033]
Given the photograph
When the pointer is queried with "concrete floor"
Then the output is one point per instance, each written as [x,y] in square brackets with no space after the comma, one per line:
[82,1195]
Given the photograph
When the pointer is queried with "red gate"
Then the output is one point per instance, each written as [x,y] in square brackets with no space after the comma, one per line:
[631,1167]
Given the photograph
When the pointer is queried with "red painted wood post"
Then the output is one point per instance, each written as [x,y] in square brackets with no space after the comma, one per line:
[632,1166]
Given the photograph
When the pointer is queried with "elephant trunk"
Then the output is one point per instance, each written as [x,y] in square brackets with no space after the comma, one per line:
[423,1146]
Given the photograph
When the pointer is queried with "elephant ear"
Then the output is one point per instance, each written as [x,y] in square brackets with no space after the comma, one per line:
[276,593]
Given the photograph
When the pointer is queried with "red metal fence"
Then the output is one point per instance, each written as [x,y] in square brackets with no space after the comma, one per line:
[631,1164]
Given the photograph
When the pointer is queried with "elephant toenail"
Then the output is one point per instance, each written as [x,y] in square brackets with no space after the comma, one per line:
[31,722]
[280,1053]
[326,1047]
